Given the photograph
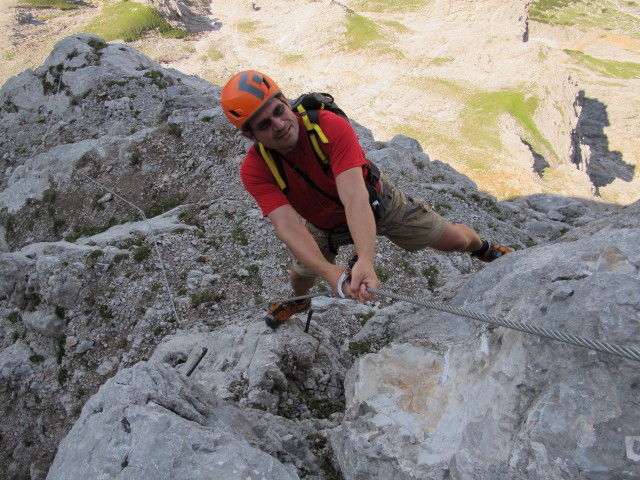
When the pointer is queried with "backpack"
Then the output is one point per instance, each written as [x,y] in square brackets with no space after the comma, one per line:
[309,105]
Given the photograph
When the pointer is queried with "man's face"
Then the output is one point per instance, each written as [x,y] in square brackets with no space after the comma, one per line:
[276,126]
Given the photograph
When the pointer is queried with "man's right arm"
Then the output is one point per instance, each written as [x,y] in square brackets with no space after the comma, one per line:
[299,241]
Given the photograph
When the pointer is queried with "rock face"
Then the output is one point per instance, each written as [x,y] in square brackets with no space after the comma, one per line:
[150,414]
[135,272]
[491,403]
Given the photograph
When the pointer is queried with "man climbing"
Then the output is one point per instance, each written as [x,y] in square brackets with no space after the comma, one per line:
[347,203]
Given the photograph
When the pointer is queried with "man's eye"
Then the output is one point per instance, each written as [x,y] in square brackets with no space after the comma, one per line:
[263,125]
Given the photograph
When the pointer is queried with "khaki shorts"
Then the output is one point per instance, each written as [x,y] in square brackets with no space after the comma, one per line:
[408,222]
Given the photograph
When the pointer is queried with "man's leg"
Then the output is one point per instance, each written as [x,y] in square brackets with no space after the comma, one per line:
[300,284]
[458,238]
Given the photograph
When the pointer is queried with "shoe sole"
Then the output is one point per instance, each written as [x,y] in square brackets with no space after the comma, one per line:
[272,322]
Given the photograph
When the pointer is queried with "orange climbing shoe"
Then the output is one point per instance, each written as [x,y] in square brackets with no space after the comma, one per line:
[489,252]
[280,312]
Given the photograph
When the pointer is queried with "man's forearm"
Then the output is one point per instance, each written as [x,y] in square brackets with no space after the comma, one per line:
[302,245]
[362,227]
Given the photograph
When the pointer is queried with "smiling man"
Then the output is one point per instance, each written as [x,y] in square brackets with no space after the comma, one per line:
[348,203]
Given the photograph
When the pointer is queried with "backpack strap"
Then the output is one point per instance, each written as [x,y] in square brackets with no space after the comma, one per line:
[311,118]
[275,166]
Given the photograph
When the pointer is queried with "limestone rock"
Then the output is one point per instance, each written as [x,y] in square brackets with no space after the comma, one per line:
[152,422]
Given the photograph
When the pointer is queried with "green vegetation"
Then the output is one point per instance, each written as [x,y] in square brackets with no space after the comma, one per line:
[165,205]
[248,26]
[382,273]
[485,108]
[84,231]
[406,265]
[141,253]
[362,33]
[608,68]
[130,21]
[592,13]
[359,348]
[120,257]
[388,5]
[292,58]
[323,408]
[63,376]
[198,299]
[238,234]
[431,274]
[214,54]
[174,129]
[157,78]
[59,4]
[438,61]
[364,317]
[104,312]
[35,358]
[60,350]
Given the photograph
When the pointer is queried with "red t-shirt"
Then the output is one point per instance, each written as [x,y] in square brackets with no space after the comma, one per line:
[344,152]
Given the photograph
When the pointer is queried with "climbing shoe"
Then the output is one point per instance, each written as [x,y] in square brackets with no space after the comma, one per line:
[489,252]
[280,312]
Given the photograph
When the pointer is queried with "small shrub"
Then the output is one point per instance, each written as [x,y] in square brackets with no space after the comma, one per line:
[359,348]
[214,54]
[166,205]
[364,317]
[382,274]
[431,274]
[104,312]
[141,253]
[324,408]
[174,129]
[157,78]
[119,257]
[33,300]
[189,217]
[239,236]
[60,350]
[57,224]
[134,159]
[35,358]
[198,299]
[63,376]
[442,208]
[248,26]
[407,266]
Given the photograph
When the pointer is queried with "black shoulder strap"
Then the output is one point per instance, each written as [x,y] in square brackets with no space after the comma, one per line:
[308,180]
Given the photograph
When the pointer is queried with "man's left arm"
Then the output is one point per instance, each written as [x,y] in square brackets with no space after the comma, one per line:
[355,198]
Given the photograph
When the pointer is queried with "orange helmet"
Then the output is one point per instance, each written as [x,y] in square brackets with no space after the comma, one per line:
[245,94]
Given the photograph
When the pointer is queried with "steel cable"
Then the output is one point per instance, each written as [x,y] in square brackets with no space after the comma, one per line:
[621,351]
